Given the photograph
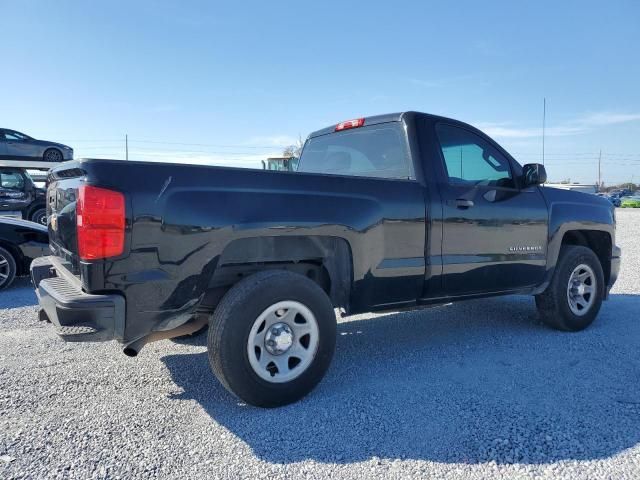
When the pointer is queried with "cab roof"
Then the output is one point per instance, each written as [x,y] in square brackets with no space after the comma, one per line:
[384,118]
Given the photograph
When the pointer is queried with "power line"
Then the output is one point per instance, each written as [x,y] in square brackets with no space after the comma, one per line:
[580,154]
[159,142]
[178,150]
[594,153]
[623,154]
[208,144]
[548,155]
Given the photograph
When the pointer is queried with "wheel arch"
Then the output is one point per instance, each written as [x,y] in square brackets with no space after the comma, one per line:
[578,219]
[599,241]
[34,207]
[326,260]
[46,149]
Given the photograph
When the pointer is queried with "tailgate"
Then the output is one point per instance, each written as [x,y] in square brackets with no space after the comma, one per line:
[62,193]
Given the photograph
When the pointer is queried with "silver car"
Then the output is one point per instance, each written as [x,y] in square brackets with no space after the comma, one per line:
[20,150]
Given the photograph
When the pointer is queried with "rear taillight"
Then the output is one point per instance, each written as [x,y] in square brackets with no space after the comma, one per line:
[358,122]
[100,223]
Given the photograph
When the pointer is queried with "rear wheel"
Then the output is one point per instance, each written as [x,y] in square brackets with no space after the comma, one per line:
[572,300]
[7,268]
[52,155]
[39,216]
[272,337]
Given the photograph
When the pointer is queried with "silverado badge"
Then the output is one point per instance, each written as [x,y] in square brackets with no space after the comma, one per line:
[526,248]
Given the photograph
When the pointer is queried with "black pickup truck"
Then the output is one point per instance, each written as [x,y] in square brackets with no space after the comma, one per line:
[384,213]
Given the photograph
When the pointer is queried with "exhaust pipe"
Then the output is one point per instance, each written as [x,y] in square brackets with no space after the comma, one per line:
[132,349]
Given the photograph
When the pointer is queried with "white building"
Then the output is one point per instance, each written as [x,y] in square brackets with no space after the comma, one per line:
[578,187]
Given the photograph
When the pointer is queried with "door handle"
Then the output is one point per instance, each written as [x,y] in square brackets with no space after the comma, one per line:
[461,203]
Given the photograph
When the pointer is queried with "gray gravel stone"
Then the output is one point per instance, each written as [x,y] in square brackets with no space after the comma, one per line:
[474,390]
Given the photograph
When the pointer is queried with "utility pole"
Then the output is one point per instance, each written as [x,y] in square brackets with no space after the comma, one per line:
[599,176]
[126,146]
[544,118]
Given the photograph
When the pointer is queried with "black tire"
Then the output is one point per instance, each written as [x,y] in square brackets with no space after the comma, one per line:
[7,268]
[232,323]
[554,304]
[39,215]
[52,155]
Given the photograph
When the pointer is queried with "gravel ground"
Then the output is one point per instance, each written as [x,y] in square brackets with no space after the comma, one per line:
[474,390]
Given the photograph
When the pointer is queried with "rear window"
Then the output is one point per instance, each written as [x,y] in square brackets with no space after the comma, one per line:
[378,151]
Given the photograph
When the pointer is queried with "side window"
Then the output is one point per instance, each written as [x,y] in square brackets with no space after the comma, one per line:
[11,181]
[471,160]
[371,151]
[9,135]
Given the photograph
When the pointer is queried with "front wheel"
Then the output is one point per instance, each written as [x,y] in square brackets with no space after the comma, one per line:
[271,338]
[572,300]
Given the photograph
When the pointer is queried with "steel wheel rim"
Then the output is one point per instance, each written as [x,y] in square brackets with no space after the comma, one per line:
[581,289]
[4,270]
[283,341]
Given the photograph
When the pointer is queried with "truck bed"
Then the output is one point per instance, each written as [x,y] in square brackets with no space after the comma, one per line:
[182,222]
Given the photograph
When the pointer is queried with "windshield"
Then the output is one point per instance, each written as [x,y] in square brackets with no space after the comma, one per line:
[378,151]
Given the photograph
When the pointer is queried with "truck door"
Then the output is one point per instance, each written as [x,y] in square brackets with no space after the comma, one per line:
[14,194]
[494,233]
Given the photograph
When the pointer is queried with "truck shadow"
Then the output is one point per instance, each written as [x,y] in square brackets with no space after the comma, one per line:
[472,382]
[19,294]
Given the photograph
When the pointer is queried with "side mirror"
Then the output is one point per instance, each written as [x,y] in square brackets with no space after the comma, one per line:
[533,174]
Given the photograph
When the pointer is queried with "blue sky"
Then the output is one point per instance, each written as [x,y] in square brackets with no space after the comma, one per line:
[233,82]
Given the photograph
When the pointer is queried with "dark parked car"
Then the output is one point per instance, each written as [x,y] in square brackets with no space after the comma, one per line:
[20,243]
[615,201]
[384,213]
[20,197]
[20,150]
[625,192]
